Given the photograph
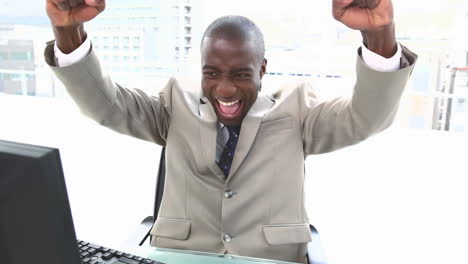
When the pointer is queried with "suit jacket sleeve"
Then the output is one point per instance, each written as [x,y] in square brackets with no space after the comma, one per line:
[330,125]
[127,111]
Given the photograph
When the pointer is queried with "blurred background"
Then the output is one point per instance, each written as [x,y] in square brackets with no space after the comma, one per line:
[399,197]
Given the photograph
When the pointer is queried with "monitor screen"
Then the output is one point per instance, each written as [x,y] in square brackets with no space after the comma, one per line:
[36,224]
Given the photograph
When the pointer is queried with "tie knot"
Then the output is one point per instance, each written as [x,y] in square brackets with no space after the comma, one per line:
[233,131]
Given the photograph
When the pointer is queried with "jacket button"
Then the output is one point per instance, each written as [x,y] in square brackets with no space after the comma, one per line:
[227,238]
[228,194]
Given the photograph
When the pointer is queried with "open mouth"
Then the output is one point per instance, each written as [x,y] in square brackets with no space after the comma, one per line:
[229,109]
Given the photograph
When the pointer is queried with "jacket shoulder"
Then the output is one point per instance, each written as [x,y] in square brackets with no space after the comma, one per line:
[293,90]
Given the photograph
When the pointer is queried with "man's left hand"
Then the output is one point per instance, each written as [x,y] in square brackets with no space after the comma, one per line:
[374,18]
[363,14]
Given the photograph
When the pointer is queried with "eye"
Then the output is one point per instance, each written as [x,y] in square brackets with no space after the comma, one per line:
[242,76]
[210,74]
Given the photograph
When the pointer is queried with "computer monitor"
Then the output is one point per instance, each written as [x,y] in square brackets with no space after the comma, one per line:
[36,224]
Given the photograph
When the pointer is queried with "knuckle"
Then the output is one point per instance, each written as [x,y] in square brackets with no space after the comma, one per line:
[336,16]
[101,8]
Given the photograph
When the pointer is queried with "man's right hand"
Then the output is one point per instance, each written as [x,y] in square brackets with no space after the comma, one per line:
[67,18]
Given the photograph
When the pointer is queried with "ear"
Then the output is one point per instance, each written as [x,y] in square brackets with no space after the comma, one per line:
[263,68]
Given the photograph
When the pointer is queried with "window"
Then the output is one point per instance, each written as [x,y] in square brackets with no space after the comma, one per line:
[20,55]
[460,128]
[401,182]
[3,55]
[461,105]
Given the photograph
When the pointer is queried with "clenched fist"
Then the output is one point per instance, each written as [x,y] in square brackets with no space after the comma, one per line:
[63,13]
[363,14]
[67,18]
[374,18]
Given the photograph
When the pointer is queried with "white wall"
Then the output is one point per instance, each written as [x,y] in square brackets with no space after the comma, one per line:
[110,177]
[400,197]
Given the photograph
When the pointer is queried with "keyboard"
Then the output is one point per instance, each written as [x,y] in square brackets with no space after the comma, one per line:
[95,254]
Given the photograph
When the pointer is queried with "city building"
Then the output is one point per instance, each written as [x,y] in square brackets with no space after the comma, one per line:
[143,42]
[451,103]
[22,67]
[17,74]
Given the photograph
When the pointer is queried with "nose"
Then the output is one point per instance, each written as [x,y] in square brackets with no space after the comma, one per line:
[226,88]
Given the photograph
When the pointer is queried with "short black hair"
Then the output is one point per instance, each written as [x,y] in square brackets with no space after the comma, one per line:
[235,27]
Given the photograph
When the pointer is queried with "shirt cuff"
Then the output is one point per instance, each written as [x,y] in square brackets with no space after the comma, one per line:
[379,63]
[64,60]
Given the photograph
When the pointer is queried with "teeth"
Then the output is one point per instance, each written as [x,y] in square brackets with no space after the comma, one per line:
[227,103]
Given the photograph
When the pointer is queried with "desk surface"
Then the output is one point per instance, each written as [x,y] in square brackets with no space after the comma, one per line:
[175,256]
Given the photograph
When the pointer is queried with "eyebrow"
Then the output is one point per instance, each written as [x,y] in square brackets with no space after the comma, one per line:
[242,70]
[208,67]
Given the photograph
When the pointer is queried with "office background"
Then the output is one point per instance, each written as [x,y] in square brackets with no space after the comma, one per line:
[406,199]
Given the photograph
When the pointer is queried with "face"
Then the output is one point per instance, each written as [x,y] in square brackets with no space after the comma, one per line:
[231,77]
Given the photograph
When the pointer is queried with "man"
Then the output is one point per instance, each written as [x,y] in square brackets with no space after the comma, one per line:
[235,157]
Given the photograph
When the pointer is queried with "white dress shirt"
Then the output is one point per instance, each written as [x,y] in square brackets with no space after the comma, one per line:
[373,61]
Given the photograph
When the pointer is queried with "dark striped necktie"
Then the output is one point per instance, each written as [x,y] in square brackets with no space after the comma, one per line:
[225,160]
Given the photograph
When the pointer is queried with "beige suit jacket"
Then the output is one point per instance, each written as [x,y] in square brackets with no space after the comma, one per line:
[260,205]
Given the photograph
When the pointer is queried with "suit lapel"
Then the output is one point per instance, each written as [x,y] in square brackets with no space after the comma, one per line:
[208,134]
[249,129]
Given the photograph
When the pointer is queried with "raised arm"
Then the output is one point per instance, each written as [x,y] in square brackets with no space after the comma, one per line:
[374,18]
[127,111]
[67,18]
[329,125]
